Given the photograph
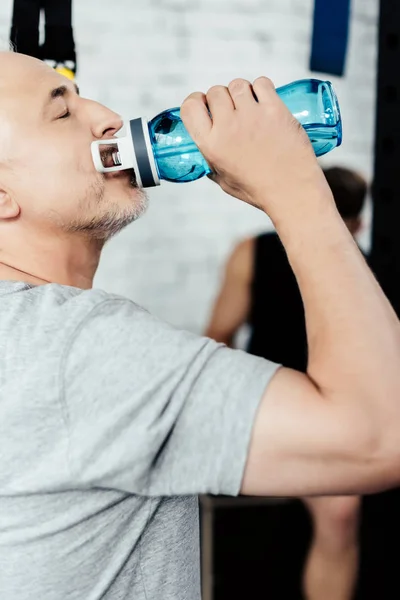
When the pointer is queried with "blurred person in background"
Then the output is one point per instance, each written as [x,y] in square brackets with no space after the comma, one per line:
[260,289]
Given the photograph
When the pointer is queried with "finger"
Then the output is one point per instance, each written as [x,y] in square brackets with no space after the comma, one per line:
[195,116]
[264,89]
[219,102]
[241,93]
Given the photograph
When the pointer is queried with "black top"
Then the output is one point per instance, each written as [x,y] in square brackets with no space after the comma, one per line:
[277,313]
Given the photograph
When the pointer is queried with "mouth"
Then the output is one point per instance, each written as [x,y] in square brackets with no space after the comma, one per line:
[127,174]
[110,157]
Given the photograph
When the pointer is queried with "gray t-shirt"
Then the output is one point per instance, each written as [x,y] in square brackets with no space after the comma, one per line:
[111,423]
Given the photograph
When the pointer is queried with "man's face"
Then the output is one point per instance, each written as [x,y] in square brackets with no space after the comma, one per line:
[46,130]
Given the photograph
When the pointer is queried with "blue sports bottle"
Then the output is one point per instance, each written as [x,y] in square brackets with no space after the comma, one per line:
[163,149]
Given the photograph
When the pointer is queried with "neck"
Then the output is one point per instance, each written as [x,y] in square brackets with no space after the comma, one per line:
[66,259]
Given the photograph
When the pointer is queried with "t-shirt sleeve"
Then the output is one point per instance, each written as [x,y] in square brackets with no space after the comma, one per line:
[156,411]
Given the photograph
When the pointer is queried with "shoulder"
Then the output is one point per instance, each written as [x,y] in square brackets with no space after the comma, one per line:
[240,262]
[78,301]
[66,309]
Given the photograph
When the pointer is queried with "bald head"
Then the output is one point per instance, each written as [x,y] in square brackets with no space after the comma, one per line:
[20,76]
[20,73]
[14,59]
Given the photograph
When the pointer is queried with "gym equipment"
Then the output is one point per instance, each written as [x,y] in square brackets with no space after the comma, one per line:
[58,49]
[330,36]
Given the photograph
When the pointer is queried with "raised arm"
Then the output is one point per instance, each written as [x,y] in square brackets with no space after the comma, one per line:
[337,428]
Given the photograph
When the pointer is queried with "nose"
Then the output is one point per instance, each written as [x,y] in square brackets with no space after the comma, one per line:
[105,122]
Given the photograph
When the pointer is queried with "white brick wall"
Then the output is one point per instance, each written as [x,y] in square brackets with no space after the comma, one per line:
[141,57]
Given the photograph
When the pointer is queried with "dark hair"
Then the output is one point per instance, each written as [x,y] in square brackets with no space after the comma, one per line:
[349,190]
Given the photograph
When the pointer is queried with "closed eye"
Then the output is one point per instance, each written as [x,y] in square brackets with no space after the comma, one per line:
[65,115]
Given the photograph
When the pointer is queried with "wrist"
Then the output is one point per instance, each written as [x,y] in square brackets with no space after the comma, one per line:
[308,235]
[293,191]
[292,206]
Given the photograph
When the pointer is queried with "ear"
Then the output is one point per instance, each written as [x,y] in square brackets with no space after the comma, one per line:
[9,209]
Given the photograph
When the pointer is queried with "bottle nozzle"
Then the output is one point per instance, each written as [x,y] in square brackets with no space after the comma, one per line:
[112,155]
[133,151]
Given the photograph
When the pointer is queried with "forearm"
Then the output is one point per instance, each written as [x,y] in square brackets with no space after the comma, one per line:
[353,333]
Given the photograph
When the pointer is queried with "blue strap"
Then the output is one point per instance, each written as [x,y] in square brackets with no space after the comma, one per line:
[330,35]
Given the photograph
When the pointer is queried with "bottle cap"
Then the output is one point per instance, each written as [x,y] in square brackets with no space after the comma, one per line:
[132,151]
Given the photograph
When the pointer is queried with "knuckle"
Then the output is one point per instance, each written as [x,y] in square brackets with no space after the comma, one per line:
[190,102]
[193,96]
[215,89]
[238,85]
[263,80]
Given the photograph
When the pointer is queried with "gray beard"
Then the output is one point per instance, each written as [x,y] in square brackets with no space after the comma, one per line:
[104,227]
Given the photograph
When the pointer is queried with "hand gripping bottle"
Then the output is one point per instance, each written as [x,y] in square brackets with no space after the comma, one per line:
[163,149]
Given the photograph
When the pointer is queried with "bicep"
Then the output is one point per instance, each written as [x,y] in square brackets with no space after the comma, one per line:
[305,444]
